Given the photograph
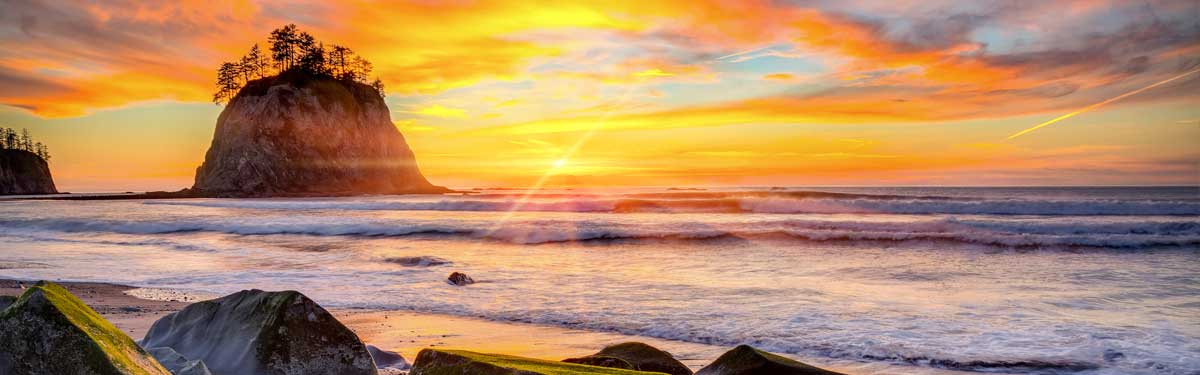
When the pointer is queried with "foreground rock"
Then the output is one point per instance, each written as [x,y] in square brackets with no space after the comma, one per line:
[637,356]
[49,331]
[23,172]
[257,332]
[296,135]
[444,362]
[746,360]
[5,301]
[459,279]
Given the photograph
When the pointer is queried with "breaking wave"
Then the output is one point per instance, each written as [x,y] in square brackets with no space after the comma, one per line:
[1000,233]
[776,204]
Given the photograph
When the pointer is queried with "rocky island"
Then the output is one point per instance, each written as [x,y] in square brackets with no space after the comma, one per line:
[305,123]
[23,166]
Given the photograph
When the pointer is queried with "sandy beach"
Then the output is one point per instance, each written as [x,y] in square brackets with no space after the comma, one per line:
[409,332]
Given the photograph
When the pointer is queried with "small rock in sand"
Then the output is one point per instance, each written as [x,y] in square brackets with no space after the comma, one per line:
[460,279]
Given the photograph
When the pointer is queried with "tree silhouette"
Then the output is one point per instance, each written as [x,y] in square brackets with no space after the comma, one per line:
[26,142]
[292,50]
[11,140]
[283,46]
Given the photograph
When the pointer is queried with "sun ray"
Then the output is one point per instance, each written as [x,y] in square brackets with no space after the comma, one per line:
[1098,105]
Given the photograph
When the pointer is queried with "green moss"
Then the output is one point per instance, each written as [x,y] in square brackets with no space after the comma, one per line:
[110,345]
[531,365]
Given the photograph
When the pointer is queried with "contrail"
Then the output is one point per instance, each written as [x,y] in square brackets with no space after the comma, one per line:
[1097,105]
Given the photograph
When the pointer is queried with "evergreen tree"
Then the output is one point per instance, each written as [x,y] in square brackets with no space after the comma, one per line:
[377,84]
[26,142]
[283,46]
[361,69]
[313,61]
[227,82]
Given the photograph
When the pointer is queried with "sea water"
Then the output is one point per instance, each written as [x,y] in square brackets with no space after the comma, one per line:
[1008,280]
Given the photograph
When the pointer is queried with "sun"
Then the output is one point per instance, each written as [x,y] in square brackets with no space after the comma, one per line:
[560,163]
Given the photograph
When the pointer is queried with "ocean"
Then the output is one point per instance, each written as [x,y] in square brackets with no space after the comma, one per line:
[1071,280]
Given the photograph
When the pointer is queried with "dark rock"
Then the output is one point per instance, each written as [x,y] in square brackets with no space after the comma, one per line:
[746,360]
[298,135]
[177,364]
[49,331]
[387,359]
[440,362]
[460,279]
[638,356]
[592,360]
[23,172]
[257,332]
[5,301]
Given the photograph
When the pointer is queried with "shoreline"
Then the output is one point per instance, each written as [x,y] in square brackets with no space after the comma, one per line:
[407,332]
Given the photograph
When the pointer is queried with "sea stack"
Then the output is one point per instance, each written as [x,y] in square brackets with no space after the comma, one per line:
[24,172]
[296,134]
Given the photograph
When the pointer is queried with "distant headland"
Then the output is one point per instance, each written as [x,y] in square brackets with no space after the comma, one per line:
[23,164]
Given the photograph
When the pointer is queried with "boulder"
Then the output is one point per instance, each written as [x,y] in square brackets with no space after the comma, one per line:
[254,332]
[746,360]
[387,359]
[298,135]
[24,172]
[5,301]
[460,279]
[639,356]
[50,331]
[177,364]
[441,362]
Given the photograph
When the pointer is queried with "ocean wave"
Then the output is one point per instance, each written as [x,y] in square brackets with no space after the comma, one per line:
[999,233]
[816,204]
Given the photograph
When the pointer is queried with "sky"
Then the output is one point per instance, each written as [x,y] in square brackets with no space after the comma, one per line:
[646,93]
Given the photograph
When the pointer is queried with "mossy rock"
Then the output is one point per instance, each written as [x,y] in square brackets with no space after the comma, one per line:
[50,331]
[746,360]
[639,356]
[257,332]
[591,360]
[459,362]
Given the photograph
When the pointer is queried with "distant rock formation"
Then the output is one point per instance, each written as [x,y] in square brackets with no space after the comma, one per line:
[50,331]
[23,172]
[299,135]
[254,332]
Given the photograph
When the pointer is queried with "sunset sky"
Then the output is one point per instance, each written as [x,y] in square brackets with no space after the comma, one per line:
[662,93]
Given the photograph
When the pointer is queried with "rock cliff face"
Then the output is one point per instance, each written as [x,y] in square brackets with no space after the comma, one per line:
[23,172]
[294,135]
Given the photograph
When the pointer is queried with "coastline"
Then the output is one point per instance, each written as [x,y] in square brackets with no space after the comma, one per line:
[408,332]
